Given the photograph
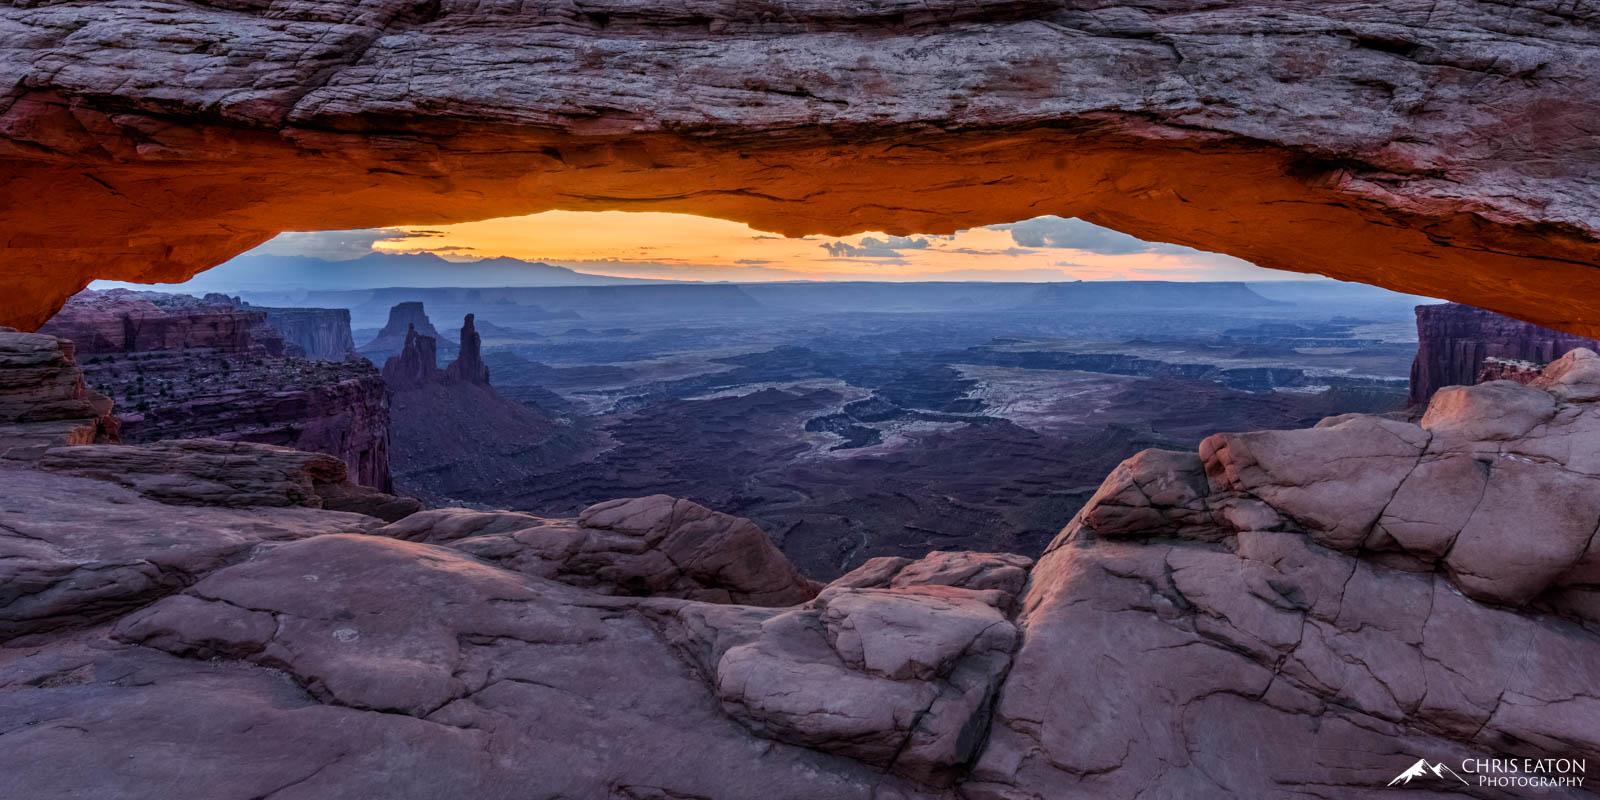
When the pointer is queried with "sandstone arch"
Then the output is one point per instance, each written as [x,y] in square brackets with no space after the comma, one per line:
[1449,148]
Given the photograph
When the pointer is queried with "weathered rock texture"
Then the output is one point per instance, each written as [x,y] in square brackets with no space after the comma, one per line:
[654,546]
[468,366]
[122,321]
[1444,148]
[43,400]
[1454,342]
[1287,614]
[213,472]
[185,367]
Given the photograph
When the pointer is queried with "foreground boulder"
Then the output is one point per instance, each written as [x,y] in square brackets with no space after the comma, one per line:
[656,545]
[76,551]
[214,472]
[1308,612]
[1285,614]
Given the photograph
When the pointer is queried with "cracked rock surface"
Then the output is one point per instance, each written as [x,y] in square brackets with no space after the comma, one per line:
[656,546]
[145,140]
[1287,613]
[1290,614]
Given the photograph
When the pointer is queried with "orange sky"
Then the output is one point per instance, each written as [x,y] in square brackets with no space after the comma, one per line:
[683,246]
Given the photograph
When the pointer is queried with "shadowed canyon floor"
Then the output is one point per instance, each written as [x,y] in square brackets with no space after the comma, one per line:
[854,434]
[1250,620]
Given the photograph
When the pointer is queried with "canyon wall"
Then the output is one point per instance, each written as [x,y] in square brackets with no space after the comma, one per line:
[1454,341]
[180,367]
[1255,619]
[43,399]
[1454,141]
[322,334]
[123,321]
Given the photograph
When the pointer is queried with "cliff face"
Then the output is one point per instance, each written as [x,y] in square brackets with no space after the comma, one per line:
[179,368]
[468,366]
[391,340]
[1205,622]
[1455,340]
[455,437]
[322,334]
[43,399]
[123,321]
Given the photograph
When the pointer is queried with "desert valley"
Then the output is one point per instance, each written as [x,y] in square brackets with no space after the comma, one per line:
[799,400]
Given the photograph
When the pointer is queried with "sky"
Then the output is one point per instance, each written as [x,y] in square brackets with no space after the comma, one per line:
[686,247]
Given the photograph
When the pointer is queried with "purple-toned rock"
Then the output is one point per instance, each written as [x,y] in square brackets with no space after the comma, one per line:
[43,399]
[218,473]
[1348,590]
[649,546]
[1460,345]
[416,366]
[468,366]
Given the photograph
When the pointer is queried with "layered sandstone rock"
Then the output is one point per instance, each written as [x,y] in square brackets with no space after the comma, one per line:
[1287,611]
[322,334]
[43,399]
[76,551]
[393,337]
[468,366]
[1284,614]
[121,321]
[1455,141]
[1455,343]
[657,546]
[417,364]
[213,472]
[185,367]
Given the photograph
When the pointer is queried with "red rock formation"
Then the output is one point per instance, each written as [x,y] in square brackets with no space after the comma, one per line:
[1443,150]
[416,366]
[468,366]
[1454,341]
[1509,369]
[229,474]
[455,437]
[1206,621]
[403,317]
[181,367]
[123,321]
[322,334]
[43,399]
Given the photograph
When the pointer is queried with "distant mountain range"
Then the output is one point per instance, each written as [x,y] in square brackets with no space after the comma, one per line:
[279,273]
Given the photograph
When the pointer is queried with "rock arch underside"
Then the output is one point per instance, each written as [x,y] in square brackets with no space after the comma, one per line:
[1443,148]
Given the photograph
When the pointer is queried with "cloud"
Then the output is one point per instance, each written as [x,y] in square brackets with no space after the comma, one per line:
[873,247]
[336,245]
[1075,234]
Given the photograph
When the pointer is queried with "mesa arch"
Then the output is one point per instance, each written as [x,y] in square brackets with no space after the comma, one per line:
[1448,148]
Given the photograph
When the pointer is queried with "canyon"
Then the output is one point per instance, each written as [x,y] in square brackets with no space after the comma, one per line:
[1238,606]
[184,367]
[804,542]
[862,420]
[1458,138]
[453,434]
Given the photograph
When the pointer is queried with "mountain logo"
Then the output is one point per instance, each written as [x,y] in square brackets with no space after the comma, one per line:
[1421,768]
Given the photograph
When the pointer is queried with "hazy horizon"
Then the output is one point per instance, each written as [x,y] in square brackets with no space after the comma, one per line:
[658,246]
